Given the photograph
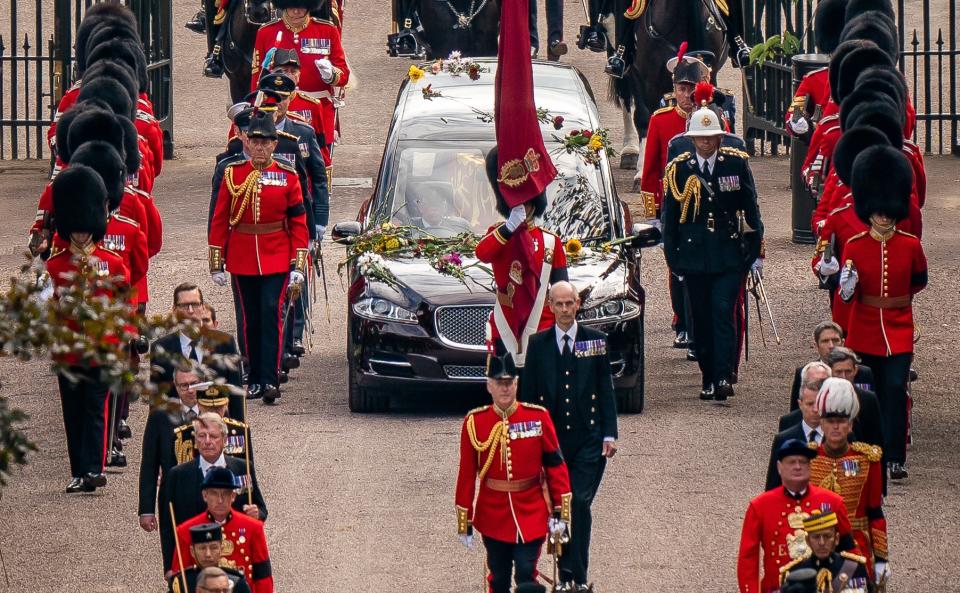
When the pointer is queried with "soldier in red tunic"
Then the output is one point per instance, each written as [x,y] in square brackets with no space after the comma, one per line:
[80,199]
[317,43]
[302,105]
[511,448]
[882,269]
[852,470]
[258,233]
[773,532]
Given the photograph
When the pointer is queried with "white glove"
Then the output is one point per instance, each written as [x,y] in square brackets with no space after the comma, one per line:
[799,127]
[757,266]
[467,541]
[882,570]
[556,526]
[321,230]
[828,267]
[517,215]
[848,283]
[326,69]
[219,278]
[296,277]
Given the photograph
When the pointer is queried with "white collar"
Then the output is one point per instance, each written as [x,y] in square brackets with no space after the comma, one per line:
[195,409]
[572,332]
[205,465]
[807,428]
[712,161]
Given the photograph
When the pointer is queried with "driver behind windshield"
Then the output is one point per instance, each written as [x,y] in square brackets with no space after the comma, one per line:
[437,217]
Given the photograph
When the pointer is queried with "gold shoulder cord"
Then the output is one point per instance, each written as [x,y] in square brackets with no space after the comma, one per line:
[497,436]
[250,188]
[690,189]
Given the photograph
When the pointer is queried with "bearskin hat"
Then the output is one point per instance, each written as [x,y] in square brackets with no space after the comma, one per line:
[80,201]
[88,125]
[833,70]
[882,179]
[110,91]
[107,162]
[856,62]
[307,4]
[125,50]
[828,23]
[857,7]
[861,96]
[539,201]
[110,31]
[116,70]
[878,116]
[131,145]
[103,12]
[850,145]
[886,79]
[876,27]
[66,120]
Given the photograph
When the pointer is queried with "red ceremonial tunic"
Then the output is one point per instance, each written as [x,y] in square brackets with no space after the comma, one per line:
[816,86]
[69,99]
[665,123]
[149,129]
[310,111]
[524,453]
[829,122]
[125,238]
[318,40]
[890,271]
[773,526]
[495,249]
[856,476]
[265,233]
[915,155]
[153,227]
[244,548]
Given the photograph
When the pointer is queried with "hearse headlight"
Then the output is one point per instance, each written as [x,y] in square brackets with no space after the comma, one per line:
[609,312]
[383,310]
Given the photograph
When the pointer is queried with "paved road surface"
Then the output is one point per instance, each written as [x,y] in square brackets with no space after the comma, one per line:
[365,503]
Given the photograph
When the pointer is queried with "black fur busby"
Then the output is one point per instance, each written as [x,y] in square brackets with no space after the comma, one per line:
[80,201]
[103,12]
[864,96]
[131,145]
[833,70]
[539,201]
[881,182]
[828,23]
[308,4]
[850,145]
[876,27]
[92,124]
[879,117]
[115,70]
[66,120]
[857,7]
[110,91]
[856,62]
[107,162]
[125,50]
[887,80]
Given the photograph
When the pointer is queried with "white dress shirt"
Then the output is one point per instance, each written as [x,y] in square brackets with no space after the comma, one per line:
[712,161]
[572,332]
[807,429]
[185,347]
[205,465]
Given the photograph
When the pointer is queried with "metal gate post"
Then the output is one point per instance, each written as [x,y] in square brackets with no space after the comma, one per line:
[803,203]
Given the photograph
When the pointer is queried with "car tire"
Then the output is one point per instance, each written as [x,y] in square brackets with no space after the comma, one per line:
[363,400]
[630,400]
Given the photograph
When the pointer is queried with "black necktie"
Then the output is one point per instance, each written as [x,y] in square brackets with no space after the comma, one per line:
[193,352]
[566,346]
[706,169]
[814,437]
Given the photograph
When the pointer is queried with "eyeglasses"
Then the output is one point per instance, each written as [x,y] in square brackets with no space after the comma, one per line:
[190,306]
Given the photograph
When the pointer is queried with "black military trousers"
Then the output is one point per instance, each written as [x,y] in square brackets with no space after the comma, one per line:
[503,558]
[297,317]
[712,301]
[586,463]
[678,301]
[890,377]
[554,10]
[259,302]
[84,420]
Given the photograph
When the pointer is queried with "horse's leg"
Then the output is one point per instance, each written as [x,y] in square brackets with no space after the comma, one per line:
[630,153]
[641,120]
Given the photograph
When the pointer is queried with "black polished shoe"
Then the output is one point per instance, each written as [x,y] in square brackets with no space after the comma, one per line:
[298,349]
[93,481]
[270,394]
[198,24]
[556,49]
[706,394]
[692,355]
[284,376]
[213,67]
[682,340]
[723,390]
[898,471]
[123,430]
[289,362]
[914,375]
[116,459]
[254,392]
[75,486]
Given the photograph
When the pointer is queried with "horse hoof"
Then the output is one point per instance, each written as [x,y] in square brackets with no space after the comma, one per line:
[629,161]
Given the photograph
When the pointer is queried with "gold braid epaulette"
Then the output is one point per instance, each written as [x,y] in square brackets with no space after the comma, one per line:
[495,438]
[246,192]
[691,189]
[734,152]
[872,452]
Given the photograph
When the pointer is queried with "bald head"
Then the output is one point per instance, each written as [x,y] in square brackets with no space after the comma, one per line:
[564,302]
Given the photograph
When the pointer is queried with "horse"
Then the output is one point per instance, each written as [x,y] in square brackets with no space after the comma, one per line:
[238,37]
[658,33]
[468,26]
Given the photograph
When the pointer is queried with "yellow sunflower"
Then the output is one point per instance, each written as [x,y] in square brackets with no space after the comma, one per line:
[573,247]
[415,74]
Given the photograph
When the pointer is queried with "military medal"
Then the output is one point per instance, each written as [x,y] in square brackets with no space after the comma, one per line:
[227,547]
[275,178]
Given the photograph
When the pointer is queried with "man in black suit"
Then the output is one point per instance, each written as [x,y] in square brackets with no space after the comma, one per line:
[827,336]
[213,348]
[804,423]
[181,485]
[158,455]
[868,425]
[567,371]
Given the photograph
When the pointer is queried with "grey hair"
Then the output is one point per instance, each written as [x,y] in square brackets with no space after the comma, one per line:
[805,372]
[211,572]
[208,419]
[840,354]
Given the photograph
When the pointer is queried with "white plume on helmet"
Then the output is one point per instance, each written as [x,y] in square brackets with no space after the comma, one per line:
[837,398]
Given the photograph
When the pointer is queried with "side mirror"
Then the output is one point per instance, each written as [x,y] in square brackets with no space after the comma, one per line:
[344,232]
[645,235]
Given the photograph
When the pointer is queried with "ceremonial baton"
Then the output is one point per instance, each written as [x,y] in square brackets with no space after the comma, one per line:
[318,265]
[763,295]
[246,455]
[176,543]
